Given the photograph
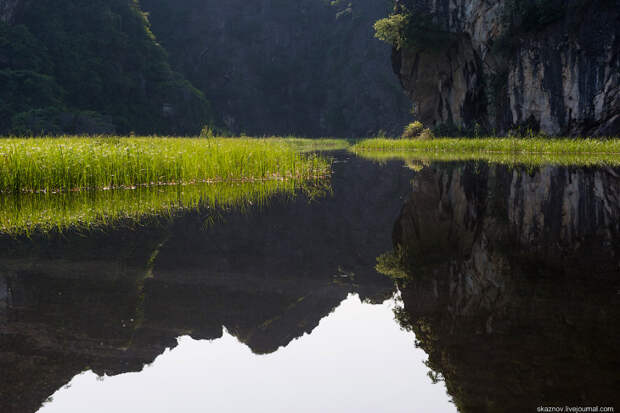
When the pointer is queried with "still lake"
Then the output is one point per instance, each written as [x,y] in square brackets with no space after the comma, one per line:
[511,301]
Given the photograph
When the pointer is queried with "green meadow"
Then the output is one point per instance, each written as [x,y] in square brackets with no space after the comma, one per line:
[74,163]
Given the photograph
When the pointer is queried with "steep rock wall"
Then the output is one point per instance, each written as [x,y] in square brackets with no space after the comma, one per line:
[7,9]
[279,67]
[550,66]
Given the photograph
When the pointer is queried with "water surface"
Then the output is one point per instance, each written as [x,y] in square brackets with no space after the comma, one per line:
[509,298]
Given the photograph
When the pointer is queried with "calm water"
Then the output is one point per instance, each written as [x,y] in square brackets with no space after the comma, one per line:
[510,301]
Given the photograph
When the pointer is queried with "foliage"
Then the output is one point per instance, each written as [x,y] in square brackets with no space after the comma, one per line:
[414,31]
[63,164]
[413,130]
[391,29]
[390,264]
[68,57]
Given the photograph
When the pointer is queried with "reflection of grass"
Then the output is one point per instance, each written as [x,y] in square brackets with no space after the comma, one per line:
[530,150]
[26,213]
[532,159]
[391,265]
[54,164]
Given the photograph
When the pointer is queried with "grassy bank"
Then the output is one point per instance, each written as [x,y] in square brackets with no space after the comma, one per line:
[311,145]
[530,159]
[26,213]
[72,163]
[481,146]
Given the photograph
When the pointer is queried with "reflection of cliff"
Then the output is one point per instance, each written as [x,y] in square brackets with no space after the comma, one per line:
[514,280]
[113,302]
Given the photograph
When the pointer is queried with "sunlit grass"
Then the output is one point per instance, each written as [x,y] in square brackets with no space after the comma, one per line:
[531,159]
[71,163]
[322,144]
[27,213]
[602,148]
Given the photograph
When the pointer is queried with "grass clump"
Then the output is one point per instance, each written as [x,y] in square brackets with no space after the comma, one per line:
[413,130]
[416,130]
[74,163]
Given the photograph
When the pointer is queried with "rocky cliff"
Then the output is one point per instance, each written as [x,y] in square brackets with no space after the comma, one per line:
[306,67]
[513,283]
[503,65]
[7,9]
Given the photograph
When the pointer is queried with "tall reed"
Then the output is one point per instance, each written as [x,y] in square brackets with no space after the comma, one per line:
[71,163]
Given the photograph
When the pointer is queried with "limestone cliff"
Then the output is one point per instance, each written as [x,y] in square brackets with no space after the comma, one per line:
[552,66]
[7,9]
[285,67]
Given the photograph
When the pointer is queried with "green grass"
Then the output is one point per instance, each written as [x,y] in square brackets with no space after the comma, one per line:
[75,163]
[312,145]
[530,159]
[606,148]
[26,213]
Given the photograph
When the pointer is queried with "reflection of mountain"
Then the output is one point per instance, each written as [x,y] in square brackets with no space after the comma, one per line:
[514,283]
[112,302]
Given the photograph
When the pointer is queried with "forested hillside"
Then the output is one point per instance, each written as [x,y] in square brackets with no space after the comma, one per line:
[69,66]
[310,67]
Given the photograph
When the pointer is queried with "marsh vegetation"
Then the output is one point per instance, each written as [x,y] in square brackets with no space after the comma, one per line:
[486,147]
[73,163]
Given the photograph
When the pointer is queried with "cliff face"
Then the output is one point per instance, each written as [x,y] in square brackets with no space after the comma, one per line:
[513,283]
[552,66]
[275,67]
[7,9]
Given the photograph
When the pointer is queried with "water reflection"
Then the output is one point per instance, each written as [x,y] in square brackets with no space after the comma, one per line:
[112,301]
[346,365]
[513,283]
[32,213]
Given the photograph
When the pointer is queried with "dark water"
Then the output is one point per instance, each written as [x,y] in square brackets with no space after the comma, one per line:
[511,300]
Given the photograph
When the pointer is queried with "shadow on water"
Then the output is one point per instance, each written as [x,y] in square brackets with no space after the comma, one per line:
[513,283]
[112,300]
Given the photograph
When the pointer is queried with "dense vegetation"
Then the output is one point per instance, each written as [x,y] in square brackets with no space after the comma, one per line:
[68,164]
[68,66]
